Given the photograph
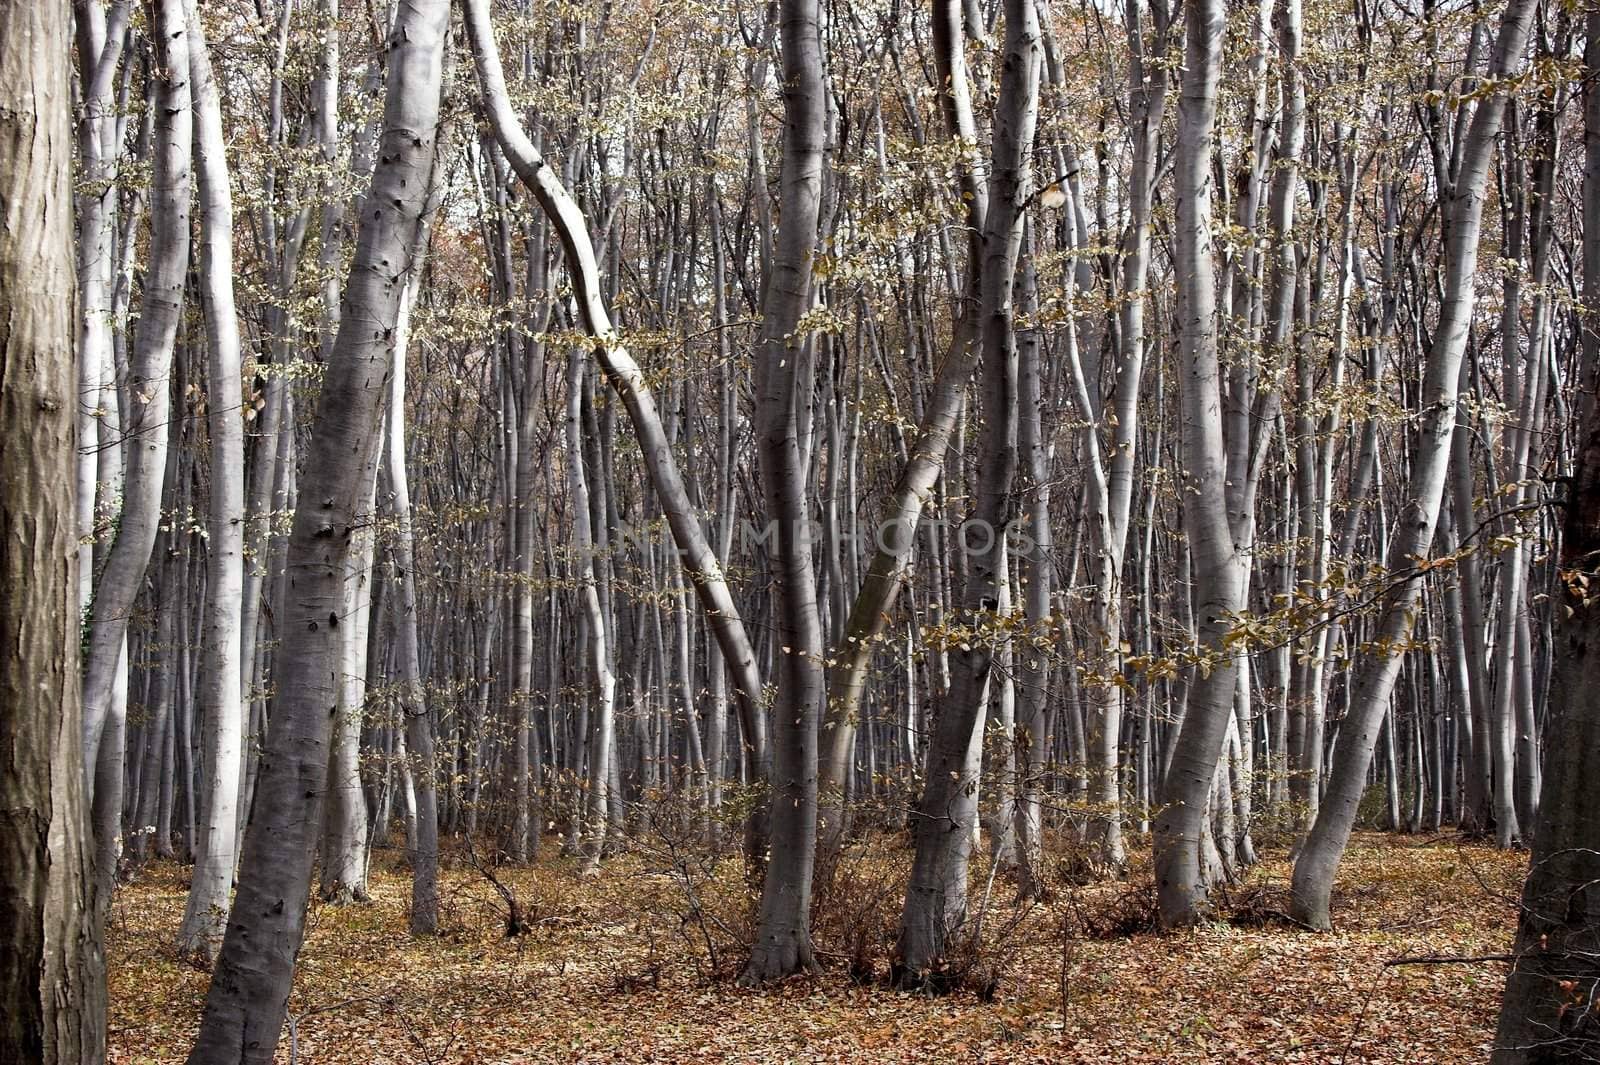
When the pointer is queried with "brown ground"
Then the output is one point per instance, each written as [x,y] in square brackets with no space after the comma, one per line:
[608,975]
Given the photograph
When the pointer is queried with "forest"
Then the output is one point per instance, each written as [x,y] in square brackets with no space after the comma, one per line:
[799,530]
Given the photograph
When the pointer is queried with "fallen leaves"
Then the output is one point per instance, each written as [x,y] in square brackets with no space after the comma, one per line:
[368,993]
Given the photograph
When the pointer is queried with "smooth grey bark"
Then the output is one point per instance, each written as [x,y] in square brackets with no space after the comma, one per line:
[783,379]
[101,36]
[1111,460]
[1318,861]
[219,696]
[898,523]
[345,836]
[249,990]
[1181,828]
[52,972]
[146,426]
[1523,454]
[1482,794]
[1031,735]
[270,419]
[596,654]
[413,704]
[155,776]
[936,897]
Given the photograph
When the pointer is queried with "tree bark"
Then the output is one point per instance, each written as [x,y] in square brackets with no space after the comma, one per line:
[146,426]
[249,990]
[936,897]
[220,705]
[52,971]
[1180,829]
[624,375]
[783,374]
[1547,1014]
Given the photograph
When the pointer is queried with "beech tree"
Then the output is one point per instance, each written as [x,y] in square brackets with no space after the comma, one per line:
[222,683]
[783,938]
[52,974]
[936,898]
[249,990]
[1374,680]
[1030,432]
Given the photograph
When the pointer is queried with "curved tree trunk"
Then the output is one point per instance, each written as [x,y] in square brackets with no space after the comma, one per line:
[783,374]
[897,525]
[624,375]
[1374,682]
[220,704]
[147,429]
[101,39]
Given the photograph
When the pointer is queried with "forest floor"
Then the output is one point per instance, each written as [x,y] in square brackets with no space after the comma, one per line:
[635,966]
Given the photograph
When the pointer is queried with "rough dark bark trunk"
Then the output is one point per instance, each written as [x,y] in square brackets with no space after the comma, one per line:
[52,973]
[1548,1014]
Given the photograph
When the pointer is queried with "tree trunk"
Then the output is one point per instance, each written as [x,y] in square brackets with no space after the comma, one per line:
[783,375]
[101,40]
[220,705]
[596,654]
[249,990]
[52,972]
[147,429]
[896,534]
[1374,681]
[624,375]
[936,897]
[1218,577]
[424,918]
[1548,1014]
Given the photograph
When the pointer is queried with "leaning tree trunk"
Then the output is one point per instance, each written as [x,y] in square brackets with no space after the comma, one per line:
[1430,456]
[783,937]
[249,990]
[52,974]
[101,40]
[897,527]
[625,377]
[220,704]
[936,897]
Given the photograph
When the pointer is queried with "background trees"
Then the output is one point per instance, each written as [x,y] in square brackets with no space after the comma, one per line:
[824,420]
